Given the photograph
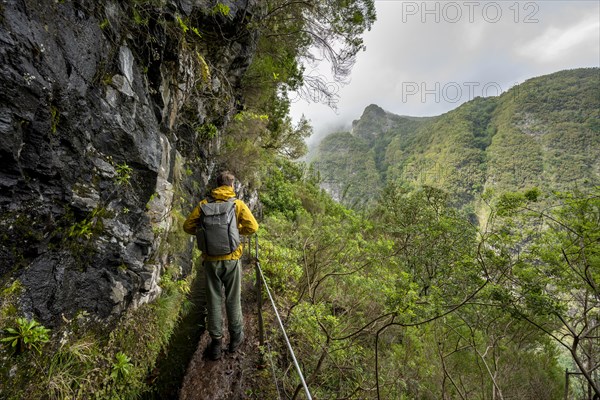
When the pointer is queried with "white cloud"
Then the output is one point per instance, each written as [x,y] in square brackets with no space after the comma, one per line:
[556,43]
[527,39]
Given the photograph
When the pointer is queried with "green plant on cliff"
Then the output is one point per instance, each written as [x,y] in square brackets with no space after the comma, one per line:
[207,131]
[121,367]
[123,173]
[104,23]
[9,300]
[81,229]
[89,226]
[204,70]
[221,9]
[139,18]
[54,119]
[26,334]
[185,26]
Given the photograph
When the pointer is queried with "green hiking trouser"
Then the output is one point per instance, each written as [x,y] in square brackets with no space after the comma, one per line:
[228,274]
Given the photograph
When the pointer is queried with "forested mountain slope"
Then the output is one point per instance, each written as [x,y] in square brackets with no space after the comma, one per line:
[474,262]
[544,132]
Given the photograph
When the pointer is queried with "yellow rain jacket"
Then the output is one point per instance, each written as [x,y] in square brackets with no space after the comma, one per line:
[247,224]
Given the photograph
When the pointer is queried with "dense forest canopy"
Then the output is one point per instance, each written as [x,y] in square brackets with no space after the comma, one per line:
[411,299]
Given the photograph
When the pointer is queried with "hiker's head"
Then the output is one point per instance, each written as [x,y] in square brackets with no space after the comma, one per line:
[225,178]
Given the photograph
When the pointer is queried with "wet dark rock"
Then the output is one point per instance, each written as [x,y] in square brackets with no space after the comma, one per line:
[83,95]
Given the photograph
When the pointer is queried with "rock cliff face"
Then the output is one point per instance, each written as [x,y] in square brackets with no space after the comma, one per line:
[102,149]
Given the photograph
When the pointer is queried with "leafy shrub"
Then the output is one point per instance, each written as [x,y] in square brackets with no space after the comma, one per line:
[26,335]
[123,174]
[207,131]
[222,9]
[121,368]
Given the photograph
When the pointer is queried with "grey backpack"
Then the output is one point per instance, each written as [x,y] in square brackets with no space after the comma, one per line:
[217,232]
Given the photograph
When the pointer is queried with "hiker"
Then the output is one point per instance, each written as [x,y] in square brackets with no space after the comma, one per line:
[221,252]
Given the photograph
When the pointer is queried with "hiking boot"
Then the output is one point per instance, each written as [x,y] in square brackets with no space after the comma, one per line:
[235,340]
[214,349]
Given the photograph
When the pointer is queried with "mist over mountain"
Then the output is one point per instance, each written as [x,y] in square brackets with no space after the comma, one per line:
[543,133]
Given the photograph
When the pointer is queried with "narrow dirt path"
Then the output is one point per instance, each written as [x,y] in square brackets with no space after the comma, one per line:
[232,377]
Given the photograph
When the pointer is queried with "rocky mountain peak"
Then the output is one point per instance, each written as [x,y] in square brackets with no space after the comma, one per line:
[373,122]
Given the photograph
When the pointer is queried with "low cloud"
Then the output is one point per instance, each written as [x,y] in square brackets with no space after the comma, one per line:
[436,49]
[555,43]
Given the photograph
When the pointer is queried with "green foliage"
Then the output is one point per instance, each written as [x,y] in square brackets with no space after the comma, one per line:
[204,71]
[104,24]
[509,202]
[26,335]
[9,300]
[171,283]
[54,119]
[153,196]
[91,361]
[281,263]
[139,18]
[260,136]
[81,229]
[410,286]
[207,131]
[69,366]
[435,242]
[89,226]
[121,367]
[107,79]
[552,251]
[316,299]
[250,145]
[247,116]
[221,9]
[185,27]
[289,33]
[182,25]
[123,176]
[280,194]
[15,288]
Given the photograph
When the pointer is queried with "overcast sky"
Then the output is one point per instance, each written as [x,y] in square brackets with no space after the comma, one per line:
[426,58]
